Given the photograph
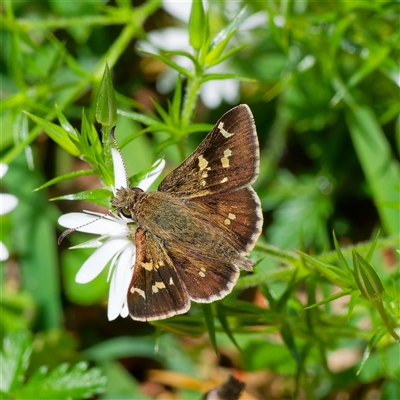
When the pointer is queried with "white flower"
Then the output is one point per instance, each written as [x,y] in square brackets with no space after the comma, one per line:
[7,203]
[114,243]
[213,92]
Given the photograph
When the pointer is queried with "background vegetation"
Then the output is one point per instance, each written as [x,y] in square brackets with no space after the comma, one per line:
[322,80]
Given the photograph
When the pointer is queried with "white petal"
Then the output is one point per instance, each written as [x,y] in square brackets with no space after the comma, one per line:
[180,10]
[145,183]
[3,251]
[119,284]
[119,170]
[3,169]
[92,267]
[169,39]
[7,202]
[83,222]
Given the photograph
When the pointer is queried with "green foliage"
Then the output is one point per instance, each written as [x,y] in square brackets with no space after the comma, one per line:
[322,81]
[63,382]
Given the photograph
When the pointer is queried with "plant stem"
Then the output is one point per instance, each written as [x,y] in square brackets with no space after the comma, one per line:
[189,104]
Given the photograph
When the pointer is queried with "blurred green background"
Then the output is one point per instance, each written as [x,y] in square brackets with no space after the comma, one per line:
[322,80]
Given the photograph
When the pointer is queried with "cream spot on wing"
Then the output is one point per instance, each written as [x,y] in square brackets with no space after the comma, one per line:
[223,131]
[227,222]
[171,281]
[203,183]
[140,291]
[225,158]
[147,266]
[202,274]
[202,163]
[231,216]
[156,286]
[224,180]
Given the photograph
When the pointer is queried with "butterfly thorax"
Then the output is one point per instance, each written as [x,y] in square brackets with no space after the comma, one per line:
[126,201]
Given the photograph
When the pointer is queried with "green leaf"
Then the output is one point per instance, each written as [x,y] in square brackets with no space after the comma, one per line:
[91,137]
[58,134]
[63,382]
[331,298]
[65,123]
[14,360]
[380,167]
[106,108]
[97,196]
[225,325]
[194,128]
[214,77]
[134,136]
[196,25]
[209,318]
[70,175]
[382,330]
[226,55]
[167,61]
[334,274]
[288,338]
[367,279]
[143,119]
[372,248]
[163,114]
[228,30]
[182,325]
[342,259]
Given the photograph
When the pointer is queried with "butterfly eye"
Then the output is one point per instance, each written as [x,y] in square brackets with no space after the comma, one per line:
[126,212]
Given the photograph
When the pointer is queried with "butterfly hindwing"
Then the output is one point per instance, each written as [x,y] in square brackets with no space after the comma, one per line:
[155,291]
[206,277]
[227,159]
[238,216]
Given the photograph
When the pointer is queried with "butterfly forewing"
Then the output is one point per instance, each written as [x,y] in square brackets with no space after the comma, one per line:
[227,159]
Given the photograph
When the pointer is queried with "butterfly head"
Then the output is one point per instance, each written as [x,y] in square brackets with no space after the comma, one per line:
[125,201]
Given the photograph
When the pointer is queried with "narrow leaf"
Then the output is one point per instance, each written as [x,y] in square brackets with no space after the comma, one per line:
[65,123]
[372,248]
[213,77]
[341,257]
[70,175]
[370,346]
[97,196]
[225,325]
[58,134]
[167,61]
[334,274]
[209,318]
[330,298]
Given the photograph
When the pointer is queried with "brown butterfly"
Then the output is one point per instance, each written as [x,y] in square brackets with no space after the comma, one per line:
[194,233]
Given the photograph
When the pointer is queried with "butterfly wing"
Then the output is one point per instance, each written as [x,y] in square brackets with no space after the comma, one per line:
[227,159]
[236,215]
[155,291]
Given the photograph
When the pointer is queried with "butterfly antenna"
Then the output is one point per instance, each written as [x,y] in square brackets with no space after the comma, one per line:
[68,231]
[119,151]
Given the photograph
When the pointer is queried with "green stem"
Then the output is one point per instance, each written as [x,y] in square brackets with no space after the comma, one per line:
[386,320]
[189,105]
